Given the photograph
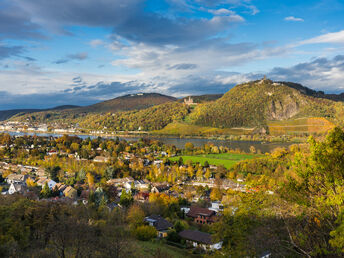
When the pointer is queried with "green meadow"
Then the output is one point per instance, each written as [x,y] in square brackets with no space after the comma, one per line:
[225,159]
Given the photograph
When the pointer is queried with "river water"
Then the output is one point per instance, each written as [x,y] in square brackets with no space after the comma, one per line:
[180,142]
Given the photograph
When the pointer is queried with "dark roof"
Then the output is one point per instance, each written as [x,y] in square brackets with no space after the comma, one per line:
[160,223]
[196,236]
[196,211]
[162,187]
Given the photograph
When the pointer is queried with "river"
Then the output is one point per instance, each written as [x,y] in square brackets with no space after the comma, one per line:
[180,142]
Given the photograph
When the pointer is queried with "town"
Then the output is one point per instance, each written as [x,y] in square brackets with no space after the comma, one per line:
[119,175]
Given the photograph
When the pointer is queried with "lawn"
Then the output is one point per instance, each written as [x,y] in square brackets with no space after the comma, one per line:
[154,249]
[225,159]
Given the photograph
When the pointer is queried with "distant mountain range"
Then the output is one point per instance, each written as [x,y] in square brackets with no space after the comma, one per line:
[6,114]
[259,106]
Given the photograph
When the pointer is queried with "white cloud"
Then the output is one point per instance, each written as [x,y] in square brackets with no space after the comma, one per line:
[96,42]
[321,74]
[292,18]
[333,37]
[221,11]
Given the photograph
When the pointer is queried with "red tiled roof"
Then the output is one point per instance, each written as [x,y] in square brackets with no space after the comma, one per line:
[196,211]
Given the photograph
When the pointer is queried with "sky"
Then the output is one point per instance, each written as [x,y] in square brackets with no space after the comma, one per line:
[80,52]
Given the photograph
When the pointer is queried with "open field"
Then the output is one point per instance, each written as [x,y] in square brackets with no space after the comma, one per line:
[151,249]
[301,125]
[225,159]
[178,128]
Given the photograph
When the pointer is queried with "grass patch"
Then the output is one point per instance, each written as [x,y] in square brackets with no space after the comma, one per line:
[225,159]
[151,249]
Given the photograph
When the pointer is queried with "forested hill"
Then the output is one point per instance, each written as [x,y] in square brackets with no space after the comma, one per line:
[124,103]
[128,102]
[255,103]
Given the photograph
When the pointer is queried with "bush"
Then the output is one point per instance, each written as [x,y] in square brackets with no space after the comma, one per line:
[145,233]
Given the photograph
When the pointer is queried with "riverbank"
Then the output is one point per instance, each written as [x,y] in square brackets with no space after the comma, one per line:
[179,142]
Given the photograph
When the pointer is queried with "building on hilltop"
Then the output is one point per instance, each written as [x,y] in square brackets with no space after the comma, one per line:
[189,101]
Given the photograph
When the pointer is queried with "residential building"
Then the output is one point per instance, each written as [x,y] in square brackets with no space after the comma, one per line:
[161,225]
[16,179]
[43,180]
[216,206]
[200,239]
[159,188]
[70,192]
[17,188]
[101,159]
[202,215]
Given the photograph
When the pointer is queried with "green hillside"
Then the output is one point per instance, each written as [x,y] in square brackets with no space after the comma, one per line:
[124,103]
[255,103]
[153,118]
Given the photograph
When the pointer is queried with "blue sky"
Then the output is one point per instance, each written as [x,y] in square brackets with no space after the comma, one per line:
[85,51]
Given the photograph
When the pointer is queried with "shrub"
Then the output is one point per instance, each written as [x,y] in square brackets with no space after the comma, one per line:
[145,233]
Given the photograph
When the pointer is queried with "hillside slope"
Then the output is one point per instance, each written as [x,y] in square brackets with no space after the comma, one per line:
[123,103]
[255,103]
[152,118]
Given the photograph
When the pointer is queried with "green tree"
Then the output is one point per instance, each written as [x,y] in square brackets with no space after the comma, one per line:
[126,198]
[135,216]
[46,191]
[145,233]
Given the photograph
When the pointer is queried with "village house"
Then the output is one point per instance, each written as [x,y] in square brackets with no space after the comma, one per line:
[141,185]
[17,188]
[60,188]
[16,179]
[202,215]
[216,206]
[141,197]
[43,180]
[200,239]
[121,182]
[70,192]
[159,188]
[101,159]
[52,152]
[161,225]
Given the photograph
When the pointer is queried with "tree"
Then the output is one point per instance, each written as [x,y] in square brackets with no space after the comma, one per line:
[126,198]
[191,171]
[75,146]
[206,164]
[145,233]
[189,147]
[46,192]
[90,180]
[199,173]
[109,173]
[52,172]
[81,175]
[30,183]
[135,216]
[216,194]
[207,174]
